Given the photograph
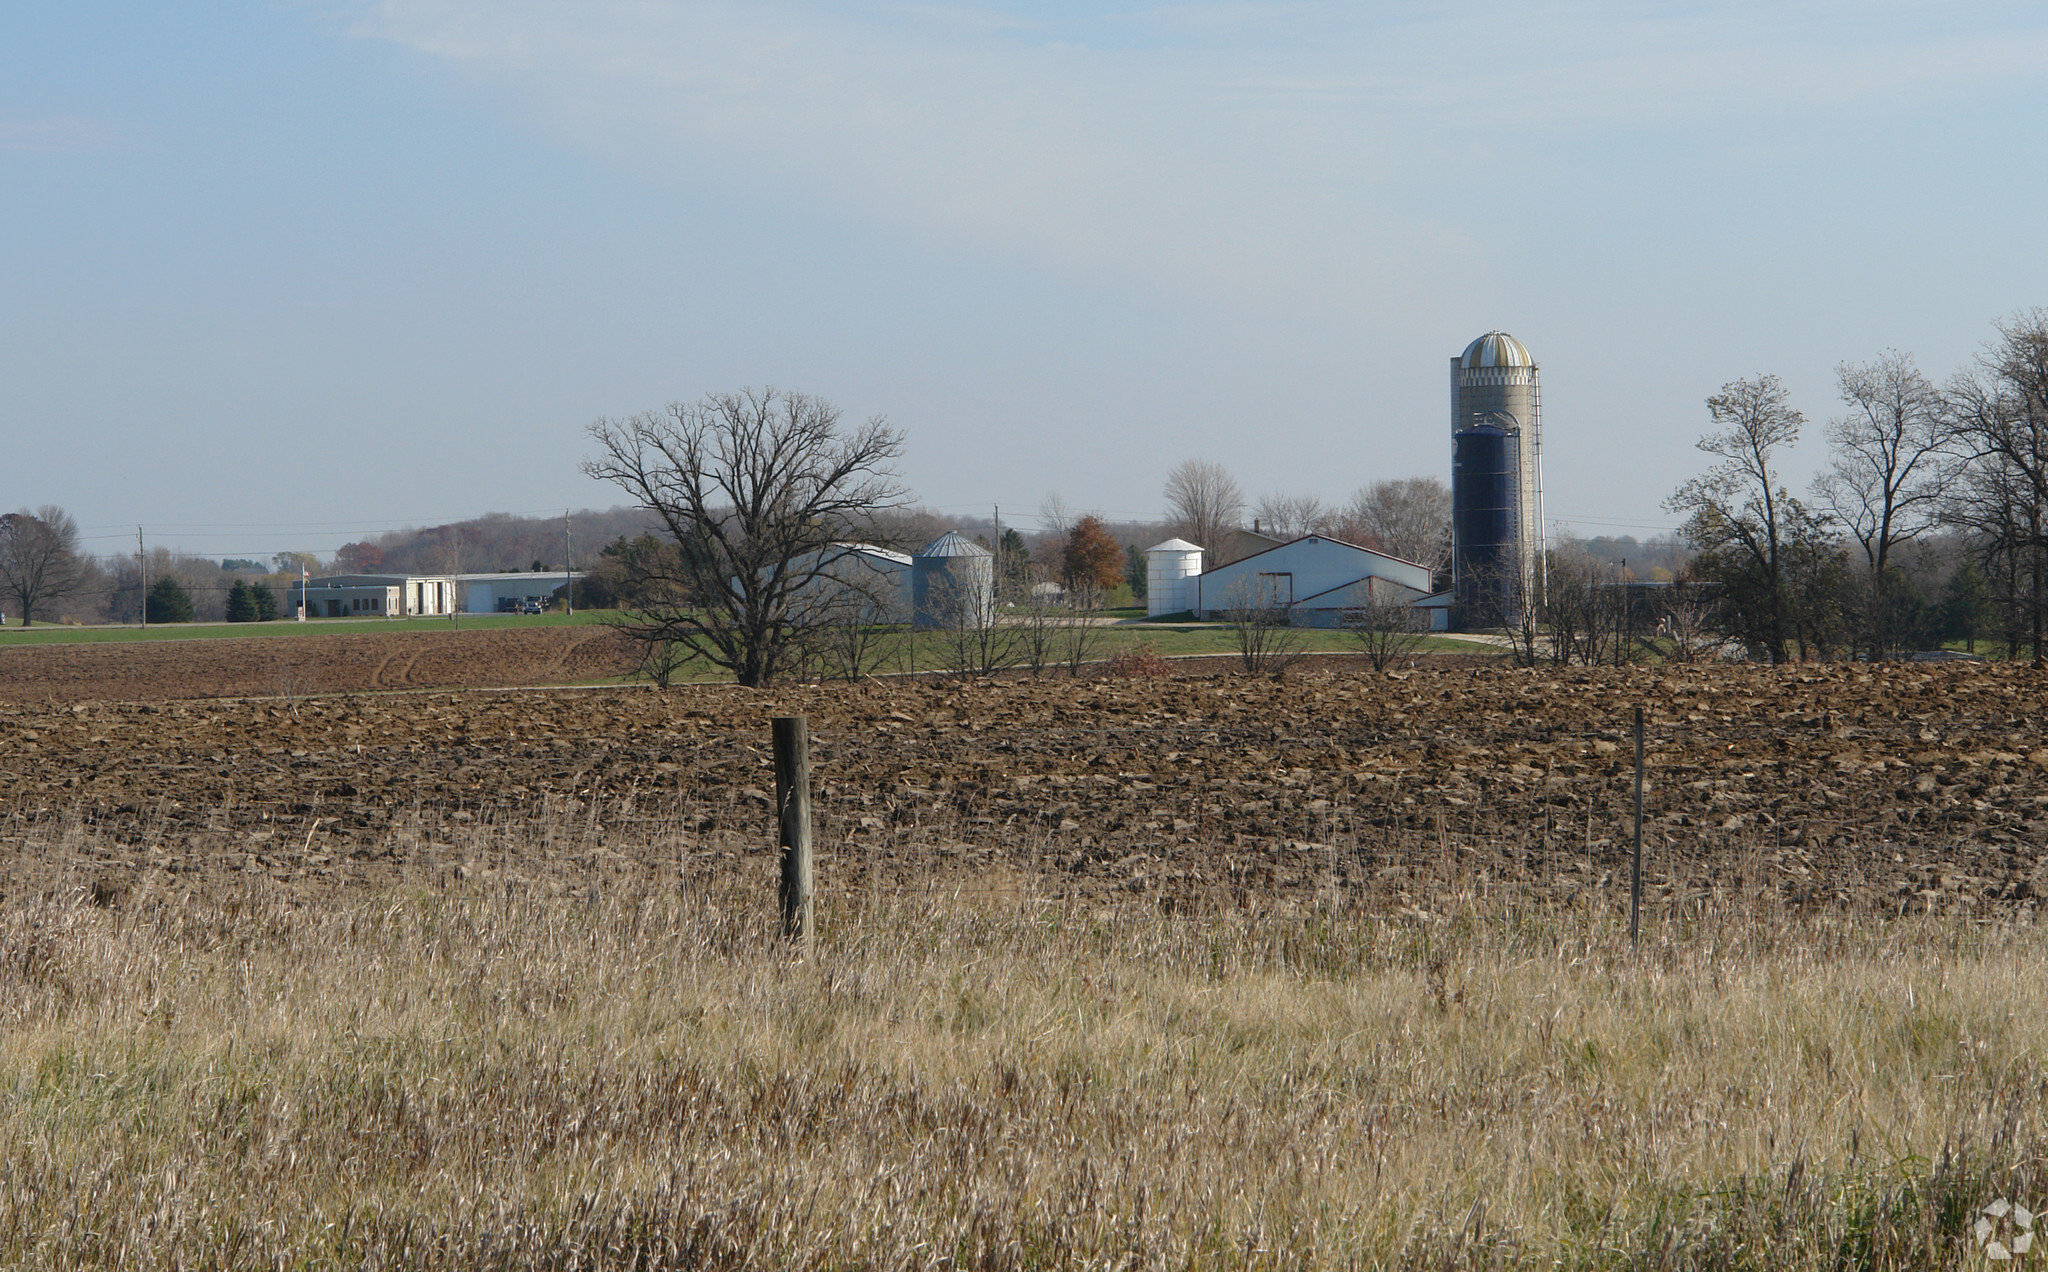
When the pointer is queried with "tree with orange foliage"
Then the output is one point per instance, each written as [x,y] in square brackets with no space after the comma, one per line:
[359,558]
[1091,562]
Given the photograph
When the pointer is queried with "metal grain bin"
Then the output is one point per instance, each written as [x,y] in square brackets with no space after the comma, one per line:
[953,581]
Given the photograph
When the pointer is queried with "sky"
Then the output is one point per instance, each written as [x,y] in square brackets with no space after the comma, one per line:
[283,275]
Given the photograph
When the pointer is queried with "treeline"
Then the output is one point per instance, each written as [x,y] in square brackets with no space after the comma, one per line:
[494,543]
[45,578]
[1929,526]
[1929,523]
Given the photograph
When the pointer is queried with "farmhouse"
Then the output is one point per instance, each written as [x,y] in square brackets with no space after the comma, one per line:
[373,596]
[1315,579]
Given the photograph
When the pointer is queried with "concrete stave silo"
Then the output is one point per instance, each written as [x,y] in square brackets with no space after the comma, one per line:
[1497,385]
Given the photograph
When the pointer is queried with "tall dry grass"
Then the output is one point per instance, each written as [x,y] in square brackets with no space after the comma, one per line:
[642,1076]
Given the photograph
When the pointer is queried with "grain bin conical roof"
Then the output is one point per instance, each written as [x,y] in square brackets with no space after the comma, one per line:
[954,544]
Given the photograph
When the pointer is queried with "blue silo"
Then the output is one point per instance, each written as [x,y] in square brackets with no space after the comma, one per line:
[1486,521]
[1496,477]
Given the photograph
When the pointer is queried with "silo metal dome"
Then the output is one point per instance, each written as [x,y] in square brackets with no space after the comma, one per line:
[1496,349]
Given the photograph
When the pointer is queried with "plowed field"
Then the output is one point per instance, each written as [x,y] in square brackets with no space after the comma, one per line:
[1889,788]
[342,662]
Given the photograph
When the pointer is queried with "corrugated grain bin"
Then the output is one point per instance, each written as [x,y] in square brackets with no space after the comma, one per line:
[1168,567]
[951,580]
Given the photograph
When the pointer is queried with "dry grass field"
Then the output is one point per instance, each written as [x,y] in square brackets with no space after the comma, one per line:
[645,1077]
[1198,971]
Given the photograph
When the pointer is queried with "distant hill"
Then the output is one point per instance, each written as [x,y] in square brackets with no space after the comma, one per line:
[496,541]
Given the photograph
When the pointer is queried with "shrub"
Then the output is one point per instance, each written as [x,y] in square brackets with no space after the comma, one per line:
[1140,662]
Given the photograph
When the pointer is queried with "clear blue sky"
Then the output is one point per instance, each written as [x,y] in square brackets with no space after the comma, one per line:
[283,275]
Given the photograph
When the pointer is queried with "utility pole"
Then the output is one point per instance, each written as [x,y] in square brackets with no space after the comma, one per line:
[143,562]
[996,585]
[568,569]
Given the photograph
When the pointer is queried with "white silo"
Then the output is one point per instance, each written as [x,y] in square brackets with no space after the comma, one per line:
[1168,567]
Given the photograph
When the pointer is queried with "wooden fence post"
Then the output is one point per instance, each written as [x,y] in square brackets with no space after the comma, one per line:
[793,823]
[1635,883]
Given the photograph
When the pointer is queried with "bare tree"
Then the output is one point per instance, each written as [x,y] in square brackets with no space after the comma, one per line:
[971,641]
[759,492]
[1999,410]
[1038,618]
[1591,611]
[1267,642]
[39,561]
[1203,503]
[1385,623]
[849,621]
[1080,636]
[1491,596]
[1573,609]
[2003,515]
[1887,474]
[1291,516]
[1688,621]
[1409,518]
[1739,509]
[1054,517]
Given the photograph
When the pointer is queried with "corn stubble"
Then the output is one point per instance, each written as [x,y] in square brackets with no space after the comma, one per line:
[500,1076]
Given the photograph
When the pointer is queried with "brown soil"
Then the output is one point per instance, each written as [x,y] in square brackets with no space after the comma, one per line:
[1895,788]
[291,666]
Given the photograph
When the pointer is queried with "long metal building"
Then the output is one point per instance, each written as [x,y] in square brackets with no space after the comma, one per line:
[1497,539]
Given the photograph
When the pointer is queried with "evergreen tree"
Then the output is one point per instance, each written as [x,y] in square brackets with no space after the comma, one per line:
[1137,571]
[241,604]
[168,602]
[1966,607]
[266,602]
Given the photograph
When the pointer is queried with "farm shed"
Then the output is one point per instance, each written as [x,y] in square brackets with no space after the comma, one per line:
[1314,578]
[483,593]
[373,596]
[861,576]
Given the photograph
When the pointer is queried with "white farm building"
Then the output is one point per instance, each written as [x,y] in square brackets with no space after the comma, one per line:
[489,593]
[1315,579]
[373,596]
